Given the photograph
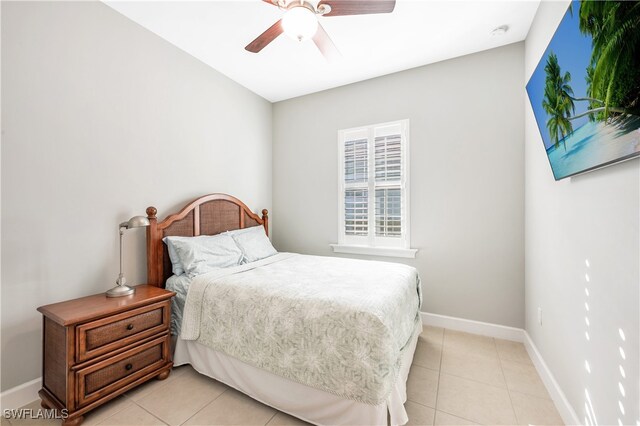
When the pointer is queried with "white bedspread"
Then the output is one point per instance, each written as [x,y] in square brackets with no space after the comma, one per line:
[339,325]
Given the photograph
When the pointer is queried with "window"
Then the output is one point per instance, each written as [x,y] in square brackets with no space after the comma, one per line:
[374,190]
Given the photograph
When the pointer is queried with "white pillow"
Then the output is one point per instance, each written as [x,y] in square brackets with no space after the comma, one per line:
[202,254]
[253,242]
[176,266]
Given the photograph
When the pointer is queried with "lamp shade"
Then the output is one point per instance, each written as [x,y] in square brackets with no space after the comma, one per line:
[300,23]
[136,222]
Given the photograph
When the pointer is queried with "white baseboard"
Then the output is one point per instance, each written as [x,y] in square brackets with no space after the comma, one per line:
[475,327]
[20,395]
[559,399]
[518,335]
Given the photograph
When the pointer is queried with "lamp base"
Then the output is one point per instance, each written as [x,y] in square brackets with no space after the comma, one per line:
[120,290]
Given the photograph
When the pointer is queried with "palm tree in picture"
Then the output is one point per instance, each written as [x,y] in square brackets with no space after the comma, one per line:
[615,59]
[558,101]
[593,103]
[558,123]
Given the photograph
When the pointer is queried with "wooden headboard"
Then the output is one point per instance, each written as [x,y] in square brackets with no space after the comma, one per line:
[208,215]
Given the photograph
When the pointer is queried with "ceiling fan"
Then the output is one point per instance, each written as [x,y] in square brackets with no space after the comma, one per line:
[300,21]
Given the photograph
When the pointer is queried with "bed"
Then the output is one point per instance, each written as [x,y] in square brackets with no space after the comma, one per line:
[327,340]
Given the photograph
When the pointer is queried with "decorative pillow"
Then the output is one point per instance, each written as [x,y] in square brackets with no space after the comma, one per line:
[253,242]
[202,254]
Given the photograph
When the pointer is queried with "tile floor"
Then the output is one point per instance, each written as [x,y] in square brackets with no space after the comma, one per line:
[456,379]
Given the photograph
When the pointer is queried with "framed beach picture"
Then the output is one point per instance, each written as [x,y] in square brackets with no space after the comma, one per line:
[585,92]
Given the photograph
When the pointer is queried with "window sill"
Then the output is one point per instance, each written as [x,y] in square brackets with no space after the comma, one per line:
[375,251]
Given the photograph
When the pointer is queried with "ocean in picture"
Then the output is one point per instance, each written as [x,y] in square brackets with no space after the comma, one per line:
[585,91]
[594,140]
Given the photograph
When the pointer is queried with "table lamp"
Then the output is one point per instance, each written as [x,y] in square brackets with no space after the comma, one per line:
[122,289]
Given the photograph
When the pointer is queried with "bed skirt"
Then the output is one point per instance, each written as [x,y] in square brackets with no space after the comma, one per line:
[309,404]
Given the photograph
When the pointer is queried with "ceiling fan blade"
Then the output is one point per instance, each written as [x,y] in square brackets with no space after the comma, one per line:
[325,44]
[357,7]
[270,2]
[265,38]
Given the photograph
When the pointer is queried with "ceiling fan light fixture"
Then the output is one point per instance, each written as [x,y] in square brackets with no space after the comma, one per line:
[300,23]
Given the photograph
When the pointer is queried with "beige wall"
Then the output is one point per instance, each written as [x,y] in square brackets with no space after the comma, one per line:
[100,119]
[467,160]
[594,217]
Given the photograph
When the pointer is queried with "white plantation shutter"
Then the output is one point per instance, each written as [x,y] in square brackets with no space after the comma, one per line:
[356,162]
[388,199]
[356,212]
[373,186]
[389,212]
[388,157]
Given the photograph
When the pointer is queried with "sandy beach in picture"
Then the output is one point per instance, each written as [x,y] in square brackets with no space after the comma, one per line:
[607,142]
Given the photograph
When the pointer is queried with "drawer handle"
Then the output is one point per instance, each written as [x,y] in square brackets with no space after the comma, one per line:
[128,367]
[130,327]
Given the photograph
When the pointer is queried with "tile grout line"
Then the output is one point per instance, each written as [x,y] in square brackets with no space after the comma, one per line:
[149,382]
[435,409]
[530,363]
[476,381]
[506,387]
[501,361]
[435,413]
[271,418]
[126,397]
[420,403]
[207,404]
[461,377]
[413,364]
[167,383]
[119,411]
[521,392]
[153,415]
[528,395]
[505,382]
[459,416]
[426,368]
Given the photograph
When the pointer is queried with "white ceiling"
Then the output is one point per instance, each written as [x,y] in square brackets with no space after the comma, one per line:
[416,33]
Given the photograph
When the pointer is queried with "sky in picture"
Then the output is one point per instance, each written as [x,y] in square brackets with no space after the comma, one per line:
[573,50]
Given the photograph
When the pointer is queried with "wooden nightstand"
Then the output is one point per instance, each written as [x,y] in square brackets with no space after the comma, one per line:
[95,348]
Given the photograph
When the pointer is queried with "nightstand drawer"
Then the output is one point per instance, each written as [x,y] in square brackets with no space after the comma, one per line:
[114,373]
[107,334]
